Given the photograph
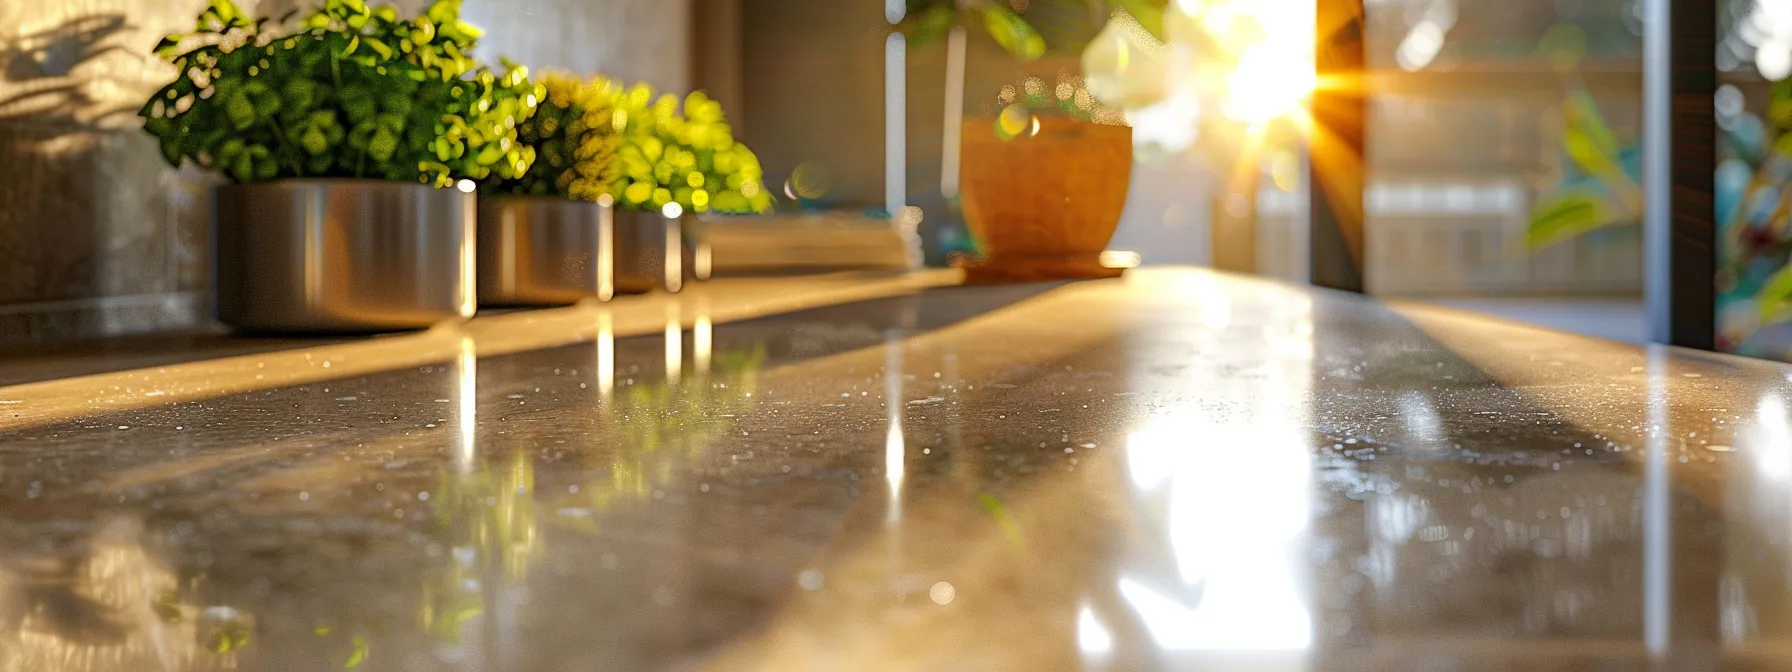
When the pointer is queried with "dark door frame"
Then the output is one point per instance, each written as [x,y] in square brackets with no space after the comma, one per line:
[1679,171]
[1335,147]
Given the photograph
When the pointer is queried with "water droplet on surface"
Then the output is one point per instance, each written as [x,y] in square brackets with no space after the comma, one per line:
[942,593]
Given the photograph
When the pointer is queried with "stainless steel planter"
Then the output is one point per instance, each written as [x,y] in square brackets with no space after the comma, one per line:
[649,253]
[343,255]
[543,250]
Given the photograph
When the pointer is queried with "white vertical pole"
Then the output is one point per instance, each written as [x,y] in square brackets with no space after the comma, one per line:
[895,124]
[467,375]
[954,112]
[895,112]
[1658,179]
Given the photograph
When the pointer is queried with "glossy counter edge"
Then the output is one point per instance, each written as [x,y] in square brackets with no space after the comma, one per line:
[725,300]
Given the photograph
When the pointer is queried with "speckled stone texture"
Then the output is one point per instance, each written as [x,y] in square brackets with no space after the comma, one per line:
[1175,471]
[99,236]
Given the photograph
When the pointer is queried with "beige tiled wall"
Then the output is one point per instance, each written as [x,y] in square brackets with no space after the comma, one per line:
[99,236]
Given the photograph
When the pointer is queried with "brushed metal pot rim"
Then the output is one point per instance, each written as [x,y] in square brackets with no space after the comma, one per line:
[537,198]
[329,181]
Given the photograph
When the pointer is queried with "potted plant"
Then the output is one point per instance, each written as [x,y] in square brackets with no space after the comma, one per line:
[670,168]
[1026,31]
[547,236]
[602,210]
[1044,184]
[351,140]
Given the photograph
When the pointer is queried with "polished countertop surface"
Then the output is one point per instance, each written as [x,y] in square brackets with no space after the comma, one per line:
[1174,470]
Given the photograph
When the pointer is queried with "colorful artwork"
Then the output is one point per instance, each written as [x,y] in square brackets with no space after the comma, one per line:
[1754,225]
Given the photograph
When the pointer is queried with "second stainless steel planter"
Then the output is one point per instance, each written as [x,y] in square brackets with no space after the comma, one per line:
[649,253]
[544,250]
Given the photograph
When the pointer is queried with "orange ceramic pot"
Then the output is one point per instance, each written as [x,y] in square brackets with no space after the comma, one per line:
[1044,205]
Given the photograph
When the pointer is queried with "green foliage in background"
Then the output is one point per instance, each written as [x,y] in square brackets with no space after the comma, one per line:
[691,159]
[1599,186]
[349,91]
[1023,32]
[1032,96]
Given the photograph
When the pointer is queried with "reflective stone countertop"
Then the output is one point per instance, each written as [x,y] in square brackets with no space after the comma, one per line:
[1176,470]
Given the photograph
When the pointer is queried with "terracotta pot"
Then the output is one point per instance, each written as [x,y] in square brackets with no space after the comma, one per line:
[1044,205]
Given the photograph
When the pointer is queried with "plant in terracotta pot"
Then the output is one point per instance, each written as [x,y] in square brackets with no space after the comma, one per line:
[1044,183]
[342,134]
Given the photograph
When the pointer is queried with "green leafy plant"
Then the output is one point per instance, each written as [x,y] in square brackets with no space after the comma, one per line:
[691,159]
[594,138]
[1021,27]
[349,91]
[1069,97]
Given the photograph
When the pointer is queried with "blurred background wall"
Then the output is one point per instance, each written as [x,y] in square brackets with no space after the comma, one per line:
[1472,107]
[99,236]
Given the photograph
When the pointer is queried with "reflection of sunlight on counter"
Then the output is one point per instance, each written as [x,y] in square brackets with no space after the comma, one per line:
[467,373]
[895,450]
[606,355]
[1236,521]
[1758,502]
[1772,447]
[674,346]
[701,333]
[1092,638]
[1230,488]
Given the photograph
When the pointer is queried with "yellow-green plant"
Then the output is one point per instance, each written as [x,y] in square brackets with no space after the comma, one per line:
[574,138]
[691,159]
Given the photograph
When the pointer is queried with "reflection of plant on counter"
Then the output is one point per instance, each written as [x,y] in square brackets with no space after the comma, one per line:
[349,91]
[112,602]
[663,426]
[490,516]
